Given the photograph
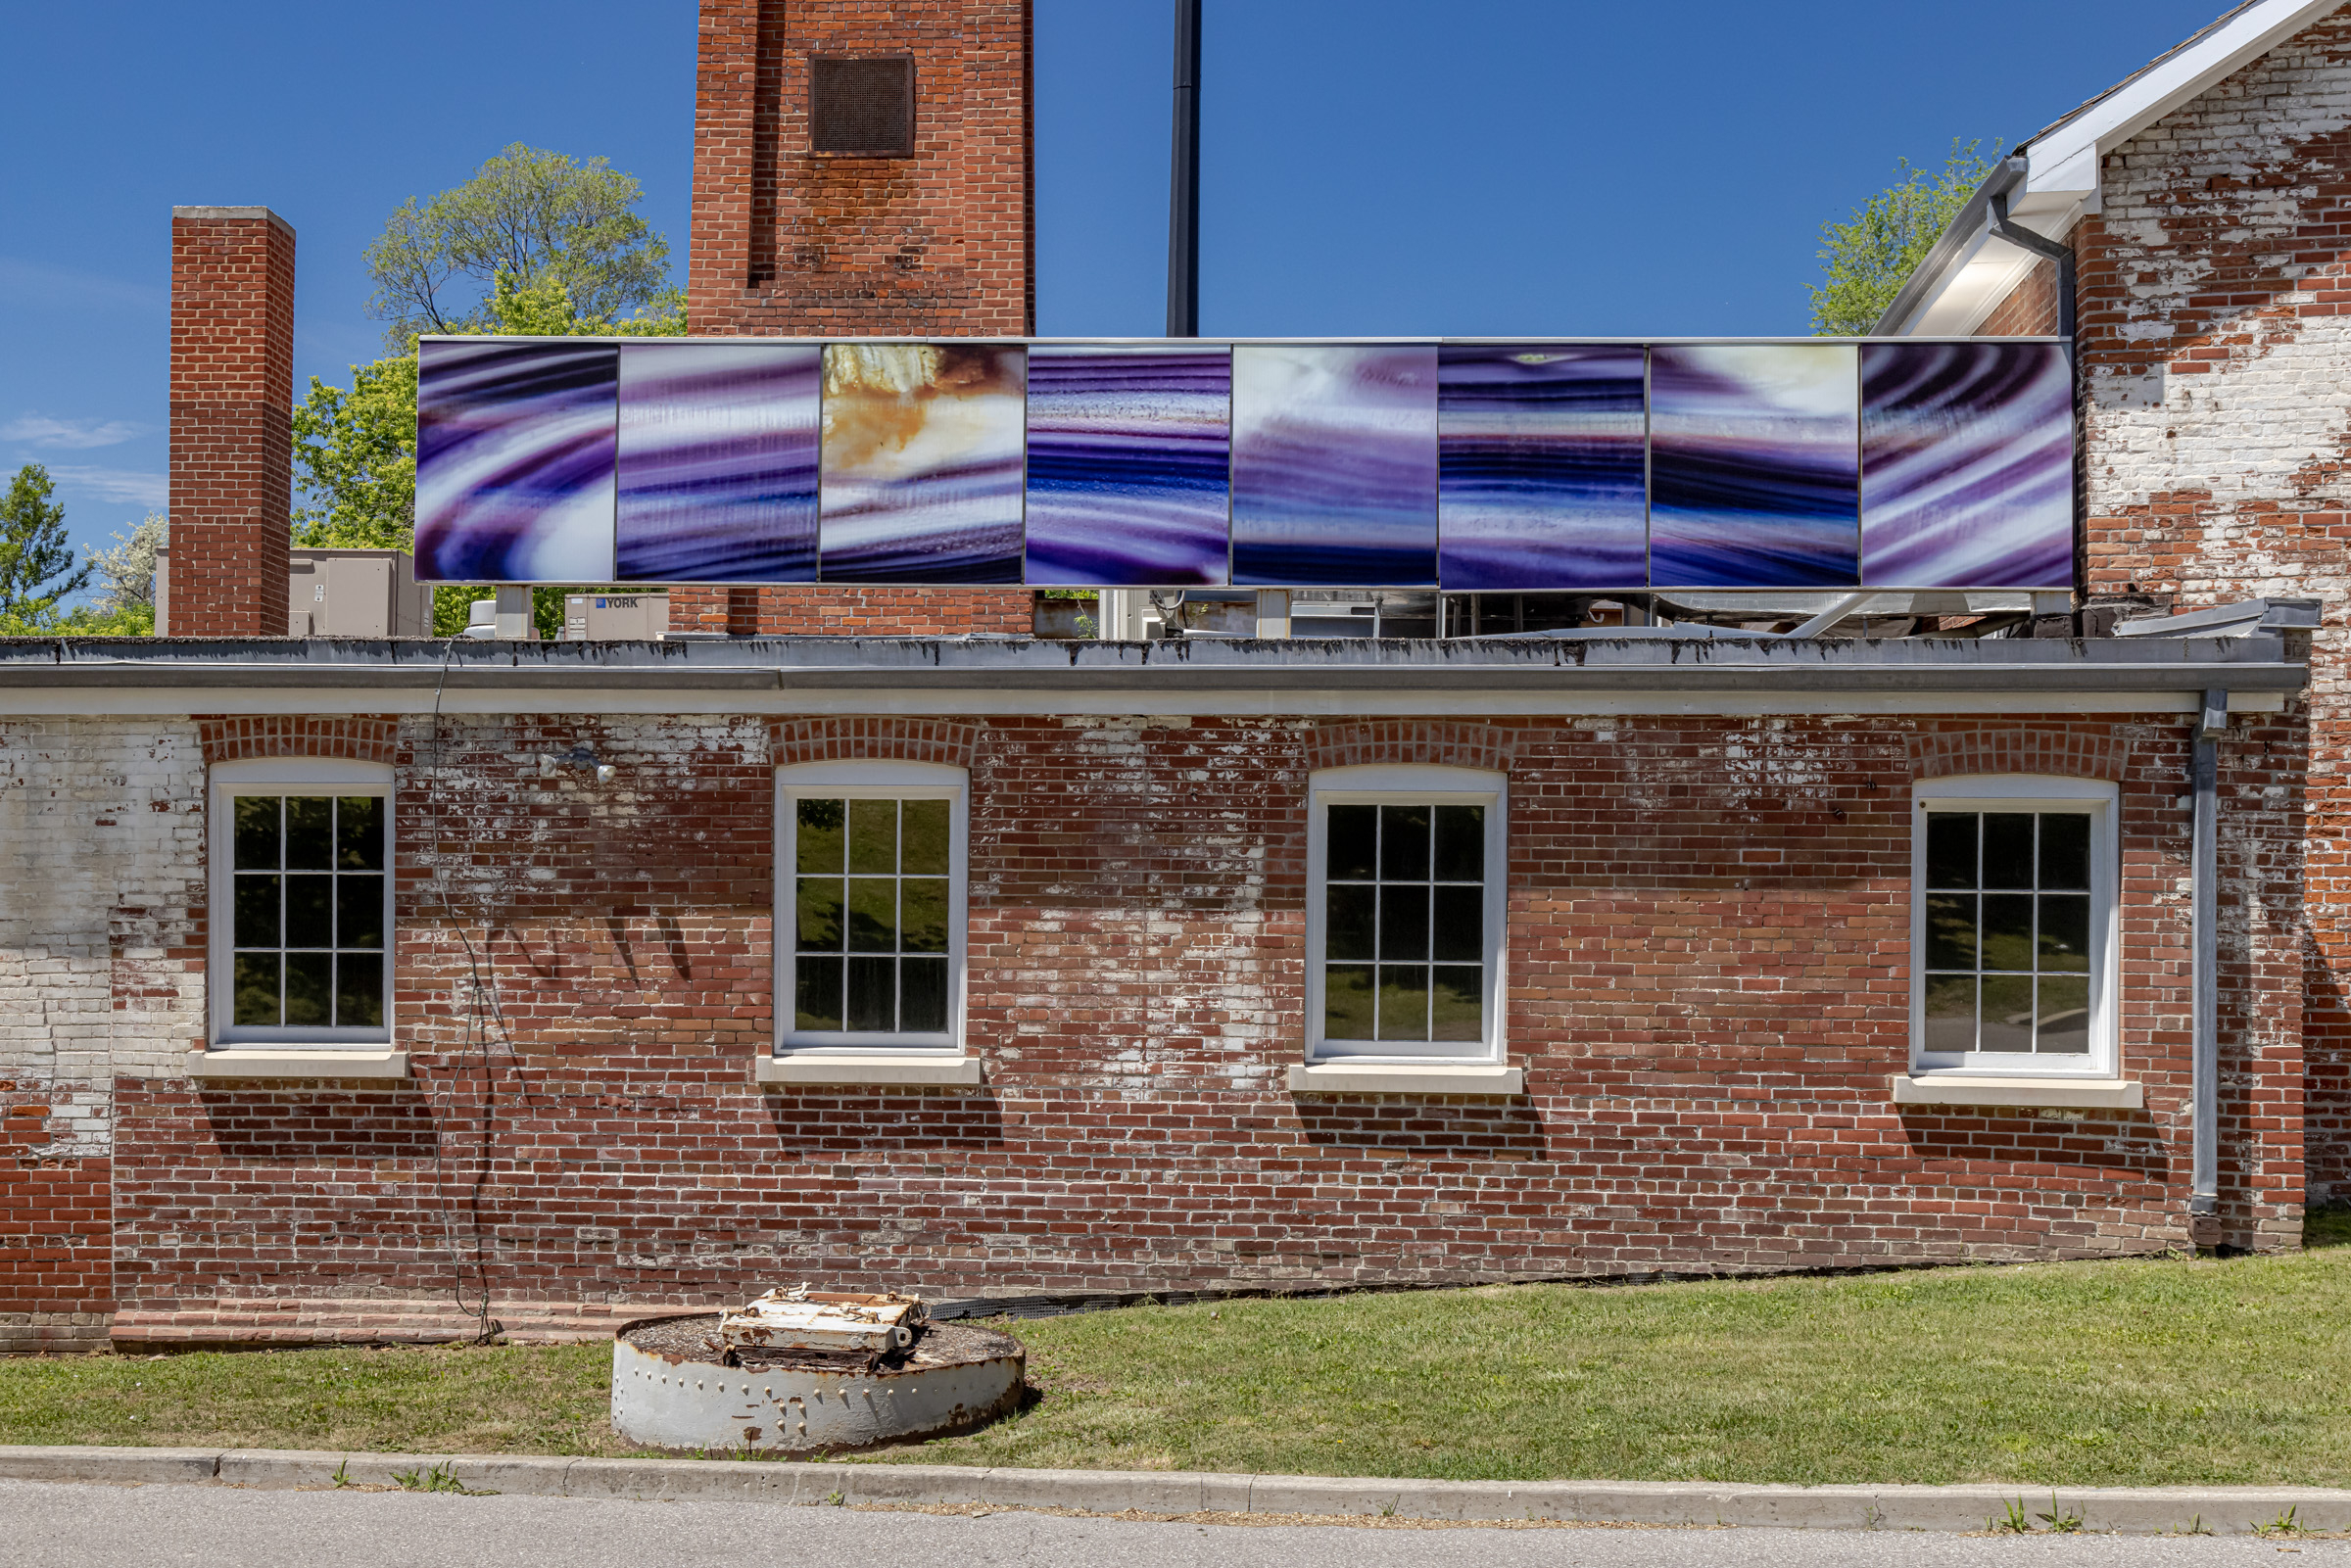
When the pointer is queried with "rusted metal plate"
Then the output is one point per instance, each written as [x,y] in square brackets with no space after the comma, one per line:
[825,1320]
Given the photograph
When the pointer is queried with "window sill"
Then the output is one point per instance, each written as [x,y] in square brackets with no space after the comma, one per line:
[231,1061]
[1389,1077]
[817,1068]
[2089,1093]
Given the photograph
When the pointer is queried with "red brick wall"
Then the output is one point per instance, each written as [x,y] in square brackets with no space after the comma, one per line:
[232,396]
[2215,286]
[2031,309]
[845,611]
[1707,948]
[56,1258]
[940,244]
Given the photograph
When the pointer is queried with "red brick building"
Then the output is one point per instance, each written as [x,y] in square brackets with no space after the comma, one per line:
[597,979]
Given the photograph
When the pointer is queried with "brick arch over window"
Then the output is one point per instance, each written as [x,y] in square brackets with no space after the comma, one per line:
[1424,741]
[2064,751]
[872,740]
[361,737]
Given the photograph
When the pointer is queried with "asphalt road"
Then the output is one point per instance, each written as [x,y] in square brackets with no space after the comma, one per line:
[76,1526]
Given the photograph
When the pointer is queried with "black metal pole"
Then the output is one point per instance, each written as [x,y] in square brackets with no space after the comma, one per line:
[1183,195]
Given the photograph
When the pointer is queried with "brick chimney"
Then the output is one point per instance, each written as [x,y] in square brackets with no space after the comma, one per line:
[861,166]
[232,399]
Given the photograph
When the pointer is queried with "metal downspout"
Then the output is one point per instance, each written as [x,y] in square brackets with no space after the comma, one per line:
[2204,877]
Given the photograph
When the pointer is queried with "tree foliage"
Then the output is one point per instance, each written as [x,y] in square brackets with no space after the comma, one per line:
[126,572]
[355,450]
[530,216]
[37,568]
[1868,260]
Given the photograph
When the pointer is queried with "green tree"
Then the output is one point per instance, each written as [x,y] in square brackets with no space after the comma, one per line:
[1868,260]
[527,215]
[37,568]
[355,450]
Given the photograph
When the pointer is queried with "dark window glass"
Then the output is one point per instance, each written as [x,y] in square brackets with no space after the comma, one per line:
[311,989]
[1950,849]
[2007,849]
[257,988]
[360,832]
[1354,843]
[256,833]
[1457,1002]
[2065,934]
[2064,852]
[2014,962]
[1457,924]
[1404,922]
[1349,909]
[359,911]
[1404,843]
[820,908]
[1403,1002]
[922,995]
[2008,932]
[821,836]
[1461,843]
[358,990]
[256,913]
[874,837]
[310,833]
[310,912]
[923,914]
[874,994]
[816,1004]
[2064,1015]
[1951,931]
[925,826]
[873,914]
[1346,1002]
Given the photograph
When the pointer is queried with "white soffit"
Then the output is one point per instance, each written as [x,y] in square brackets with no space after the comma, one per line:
[2061,184]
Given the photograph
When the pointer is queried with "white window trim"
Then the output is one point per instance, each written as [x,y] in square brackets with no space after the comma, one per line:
[286,776]
[840,1057]
[1998,1074]
[1402,785]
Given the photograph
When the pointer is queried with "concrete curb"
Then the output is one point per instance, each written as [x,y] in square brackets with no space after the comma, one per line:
[2128,1510]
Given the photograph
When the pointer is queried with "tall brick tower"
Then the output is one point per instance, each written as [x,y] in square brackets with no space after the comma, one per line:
[861,166]
[232,401]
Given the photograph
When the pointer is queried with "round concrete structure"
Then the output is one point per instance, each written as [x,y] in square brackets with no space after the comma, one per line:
[673,1388]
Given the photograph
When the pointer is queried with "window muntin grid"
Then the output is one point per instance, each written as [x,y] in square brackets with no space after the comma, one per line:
[1404,938]
[308,911]
[872,915]
[2008,927]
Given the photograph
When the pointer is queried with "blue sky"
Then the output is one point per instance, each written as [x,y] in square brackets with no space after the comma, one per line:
[1552,167]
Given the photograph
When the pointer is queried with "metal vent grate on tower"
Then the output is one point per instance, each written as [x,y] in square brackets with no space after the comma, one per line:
[862,108]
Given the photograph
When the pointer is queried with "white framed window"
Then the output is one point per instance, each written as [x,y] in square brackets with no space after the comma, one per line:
[301,857]
[2013,926]
[1405,912]
[870,906]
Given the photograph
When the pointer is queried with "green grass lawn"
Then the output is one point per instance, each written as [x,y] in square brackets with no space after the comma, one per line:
[2135,1372]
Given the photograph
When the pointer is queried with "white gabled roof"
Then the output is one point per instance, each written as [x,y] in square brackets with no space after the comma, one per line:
[1969,272]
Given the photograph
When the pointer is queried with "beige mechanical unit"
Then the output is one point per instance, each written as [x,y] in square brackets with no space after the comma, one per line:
[331,593]
[615,617]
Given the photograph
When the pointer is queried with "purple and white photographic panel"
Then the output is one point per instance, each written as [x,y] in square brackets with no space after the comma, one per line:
[1967,465]
[718,459]
[514,461]
[1542,479]
[1129,451]
[921,464]
[1334,465]
[1755,465]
